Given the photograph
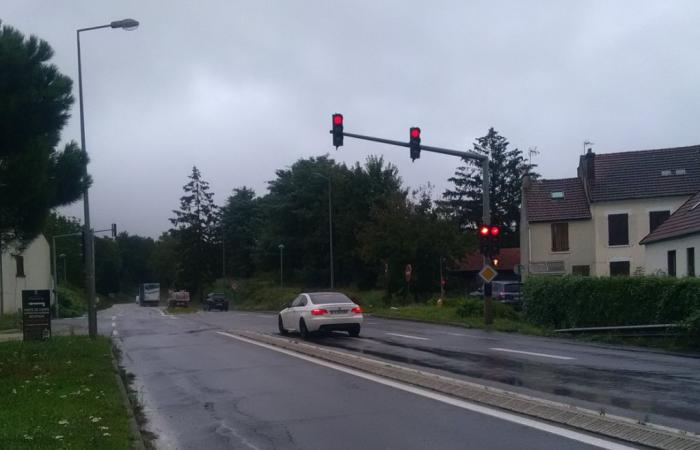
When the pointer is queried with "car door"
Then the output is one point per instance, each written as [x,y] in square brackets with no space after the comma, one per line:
[290,317]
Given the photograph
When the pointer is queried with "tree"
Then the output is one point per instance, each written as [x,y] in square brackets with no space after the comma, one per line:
[34,106]
[164,259]
[241,223]
[196,227]
[70,246]
[108,264]
[135,253]
[464,201]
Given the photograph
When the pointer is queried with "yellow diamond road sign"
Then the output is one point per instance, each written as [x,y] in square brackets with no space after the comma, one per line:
[488,273]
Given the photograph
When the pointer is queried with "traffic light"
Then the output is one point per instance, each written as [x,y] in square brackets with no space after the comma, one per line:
[337,130]
[495,241]
[415,143]
[490,241]
[484,240]
[114,230]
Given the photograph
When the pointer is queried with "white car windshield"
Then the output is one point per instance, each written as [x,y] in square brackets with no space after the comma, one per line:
[323,298]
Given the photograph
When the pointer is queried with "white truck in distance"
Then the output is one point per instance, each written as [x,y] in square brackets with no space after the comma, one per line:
[149,294]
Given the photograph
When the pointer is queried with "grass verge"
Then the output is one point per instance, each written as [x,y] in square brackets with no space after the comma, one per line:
[9,322]
[181,310]
[61,393]
[449,315]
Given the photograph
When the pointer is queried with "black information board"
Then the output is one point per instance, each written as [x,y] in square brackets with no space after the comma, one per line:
[36,314]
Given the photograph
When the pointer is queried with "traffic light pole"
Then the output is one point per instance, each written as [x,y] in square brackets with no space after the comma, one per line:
[486,186]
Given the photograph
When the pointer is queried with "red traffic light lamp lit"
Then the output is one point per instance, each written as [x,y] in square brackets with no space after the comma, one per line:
[484,230]
[337,130]
[414,143]
[495,231]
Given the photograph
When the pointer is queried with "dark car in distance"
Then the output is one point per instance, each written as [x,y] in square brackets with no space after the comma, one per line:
[215,300]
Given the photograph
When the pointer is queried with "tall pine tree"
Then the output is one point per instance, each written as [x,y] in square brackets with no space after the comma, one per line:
[196,227]
[464,201]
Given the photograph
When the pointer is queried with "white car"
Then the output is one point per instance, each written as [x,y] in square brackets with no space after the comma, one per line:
[321,311]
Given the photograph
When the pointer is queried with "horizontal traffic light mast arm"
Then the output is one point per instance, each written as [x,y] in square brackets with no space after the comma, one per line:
[427,148]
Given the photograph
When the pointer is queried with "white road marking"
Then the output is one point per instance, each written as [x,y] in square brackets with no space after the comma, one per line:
[114,318]
[169,316]
[371,323]
[564,432]
[461,335]
[544,355]
[115,333]
[408,336]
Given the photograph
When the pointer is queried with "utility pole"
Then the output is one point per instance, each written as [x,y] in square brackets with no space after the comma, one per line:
[281,247]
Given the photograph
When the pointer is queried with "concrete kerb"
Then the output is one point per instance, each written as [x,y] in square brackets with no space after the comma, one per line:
[134,428]
[617,427]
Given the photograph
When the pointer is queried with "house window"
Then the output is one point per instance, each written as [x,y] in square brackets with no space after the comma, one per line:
[20,265]
[560,237]
[619,268]
[656,218]
[671,256]
[690,252]
[618,232]
[581,271]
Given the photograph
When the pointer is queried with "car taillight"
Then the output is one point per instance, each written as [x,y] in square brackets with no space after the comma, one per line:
[357,310]
[318,312]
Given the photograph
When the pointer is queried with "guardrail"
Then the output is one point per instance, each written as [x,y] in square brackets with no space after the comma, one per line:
[666,329]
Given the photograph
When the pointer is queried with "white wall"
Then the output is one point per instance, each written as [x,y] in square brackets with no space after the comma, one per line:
[638,223]
[581,250]
[37,271]
[657,255]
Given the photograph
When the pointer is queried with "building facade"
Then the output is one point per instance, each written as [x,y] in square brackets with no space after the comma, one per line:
[592,224]
[24,269]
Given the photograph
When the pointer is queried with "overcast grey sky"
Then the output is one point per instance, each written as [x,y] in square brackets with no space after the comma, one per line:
[241,88]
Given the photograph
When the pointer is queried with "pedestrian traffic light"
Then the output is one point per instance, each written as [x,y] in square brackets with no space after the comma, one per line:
[337,130]
[495,262]
[415,143]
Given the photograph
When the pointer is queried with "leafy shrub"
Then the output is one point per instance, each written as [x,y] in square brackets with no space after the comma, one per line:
[571,301]
[71,303]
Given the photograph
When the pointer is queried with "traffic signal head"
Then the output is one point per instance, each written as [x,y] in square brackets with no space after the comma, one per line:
[495,240]
[337,130]
[495,231]
[484,239]
[484,230]
[114,230]
[414,142]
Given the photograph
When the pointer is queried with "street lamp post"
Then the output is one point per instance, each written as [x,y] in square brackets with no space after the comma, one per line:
[63,258]
[281,247]
[330,225]
[126,24]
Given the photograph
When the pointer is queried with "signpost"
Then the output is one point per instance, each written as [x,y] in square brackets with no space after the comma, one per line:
[36,314]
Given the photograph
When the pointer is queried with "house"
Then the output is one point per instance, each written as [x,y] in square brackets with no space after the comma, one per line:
[26,269]
[670,248]
[592,224]
[466,271]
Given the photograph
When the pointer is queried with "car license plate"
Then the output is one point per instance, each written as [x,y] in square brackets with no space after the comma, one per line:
[339,311]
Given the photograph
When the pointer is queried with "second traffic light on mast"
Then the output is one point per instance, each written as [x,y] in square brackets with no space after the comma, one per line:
[337,130]
[414,143]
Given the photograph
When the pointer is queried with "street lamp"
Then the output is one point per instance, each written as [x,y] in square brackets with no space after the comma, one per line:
[281,247]
[330,224]
[126,24]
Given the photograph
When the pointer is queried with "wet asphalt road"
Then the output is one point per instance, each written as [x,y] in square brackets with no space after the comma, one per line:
[203,390]
[643,384]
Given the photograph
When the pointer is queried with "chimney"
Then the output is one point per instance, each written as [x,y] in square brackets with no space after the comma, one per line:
[586,166]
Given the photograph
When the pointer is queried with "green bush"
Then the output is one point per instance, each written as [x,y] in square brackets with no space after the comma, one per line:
[571,301]
[475,308]
[71,302]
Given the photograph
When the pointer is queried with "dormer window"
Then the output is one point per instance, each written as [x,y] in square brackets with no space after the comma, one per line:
[557,195]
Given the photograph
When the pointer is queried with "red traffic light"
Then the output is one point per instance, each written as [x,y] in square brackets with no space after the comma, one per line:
[484,230]
[415,133]
[495,231]
[337,119]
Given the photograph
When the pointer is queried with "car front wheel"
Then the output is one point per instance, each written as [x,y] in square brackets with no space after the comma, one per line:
[280,325]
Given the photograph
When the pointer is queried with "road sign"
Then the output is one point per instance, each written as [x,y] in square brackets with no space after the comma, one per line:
[488,273]
[36,314]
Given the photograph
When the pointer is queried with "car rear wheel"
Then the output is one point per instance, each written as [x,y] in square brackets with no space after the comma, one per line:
[355,331]
[303,331]
[280,325]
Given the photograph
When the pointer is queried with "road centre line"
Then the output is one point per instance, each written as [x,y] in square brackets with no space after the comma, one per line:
[544,355]
[408,336]
[564,432]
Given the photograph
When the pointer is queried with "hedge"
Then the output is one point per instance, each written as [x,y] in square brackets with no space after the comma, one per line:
[574,301]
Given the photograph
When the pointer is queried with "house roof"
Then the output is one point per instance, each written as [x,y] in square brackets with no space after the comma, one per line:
[646,174]
[508,258]
[541,207]
[686,220]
